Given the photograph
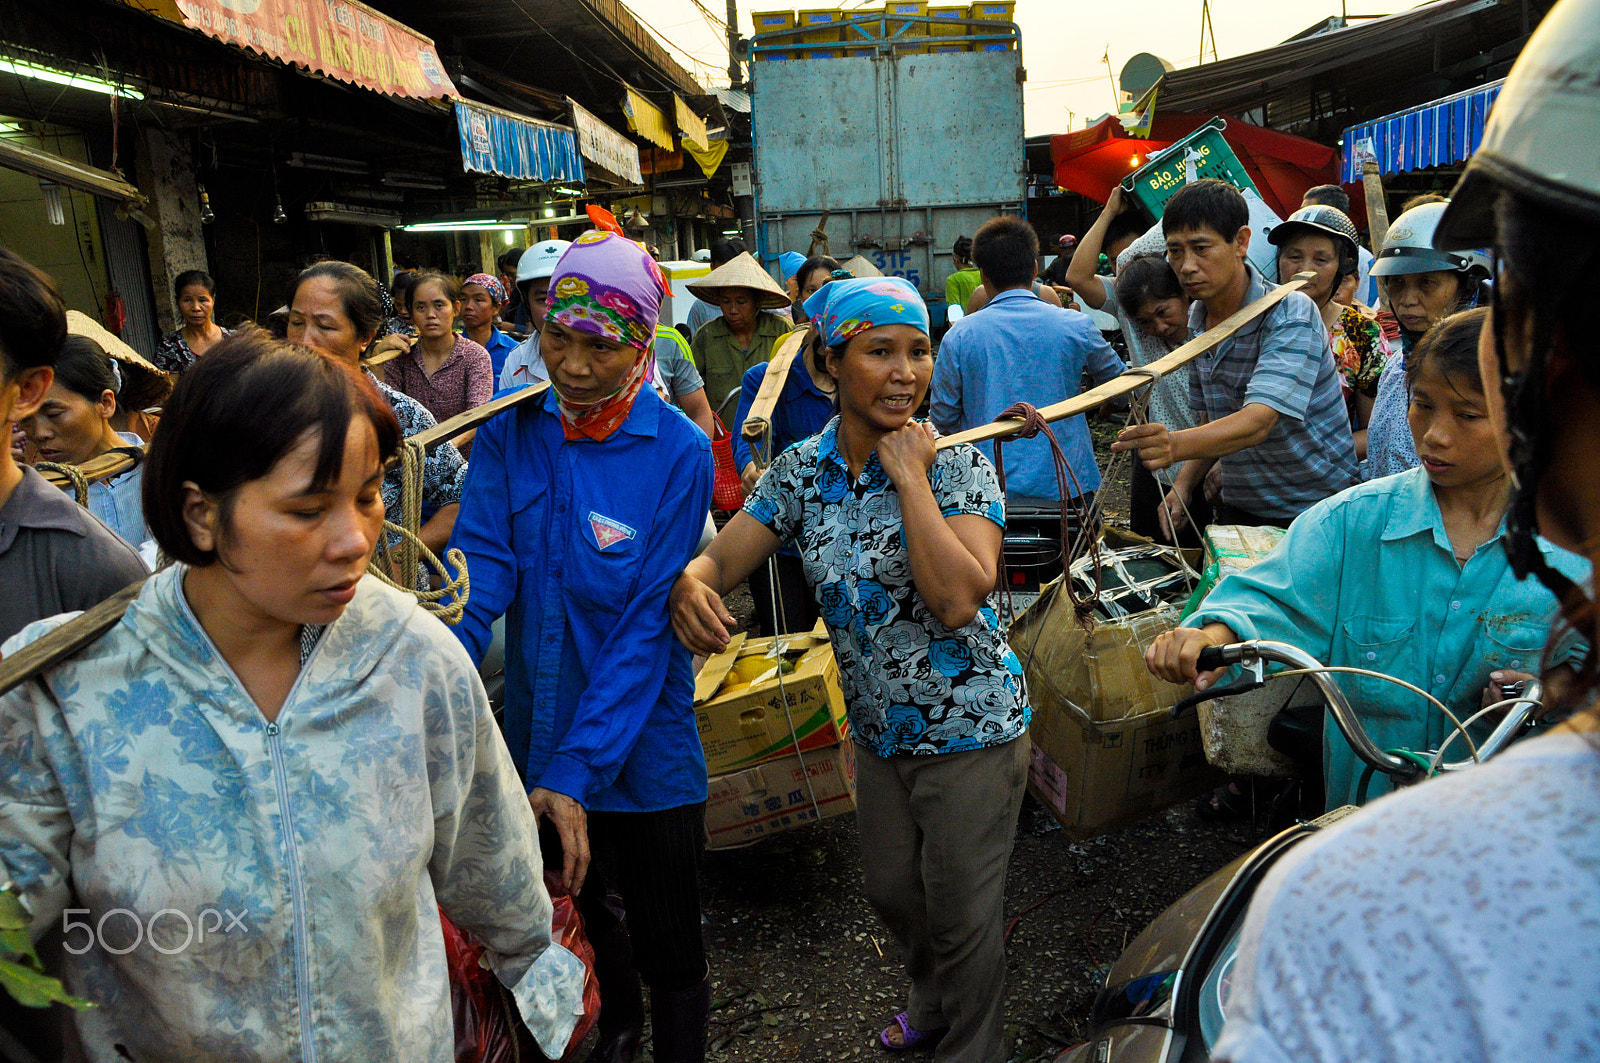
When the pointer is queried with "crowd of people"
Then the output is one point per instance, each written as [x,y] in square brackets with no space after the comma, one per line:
[267,730]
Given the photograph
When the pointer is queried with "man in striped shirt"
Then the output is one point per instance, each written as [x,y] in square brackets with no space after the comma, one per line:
[1269,400]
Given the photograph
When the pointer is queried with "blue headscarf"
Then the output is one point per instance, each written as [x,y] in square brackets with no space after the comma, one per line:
[845,308]
[791,261]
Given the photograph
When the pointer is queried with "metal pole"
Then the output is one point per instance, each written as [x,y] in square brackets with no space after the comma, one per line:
[734,75]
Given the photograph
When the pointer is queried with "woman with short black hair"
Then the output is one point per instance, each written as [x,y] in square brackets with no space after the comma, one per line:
[264,783]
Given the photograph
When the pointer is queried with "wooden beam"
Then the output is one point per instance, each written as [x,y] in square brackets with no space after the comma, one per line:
[45,653]
[1135,379]
[476,417]
[772,383]
[108,465]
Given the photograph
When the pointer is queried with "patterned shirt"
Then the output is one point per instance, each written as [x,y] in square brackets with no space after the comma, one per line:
[1390,448]
[173,354]
[1458,920]
[912,685]
[464,379]
[141,787]
[1359,351]
[1280,360]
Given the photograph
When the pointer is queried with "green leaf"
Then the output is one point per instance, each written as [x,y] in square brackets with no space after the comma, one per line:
[13,916]
[34,989]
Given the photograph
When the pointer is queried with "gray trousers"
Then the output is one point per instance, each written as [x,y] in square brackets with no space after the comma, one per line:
[936,836]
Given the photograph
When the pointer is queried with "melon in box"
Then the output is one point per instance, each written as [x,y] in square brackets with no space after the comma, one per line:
[740,702]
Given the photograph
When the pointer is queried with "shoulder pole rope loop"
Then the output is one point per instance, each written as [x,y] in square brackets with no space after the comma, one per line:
[449,602]
[80,483]
[778,644]
[413,460]
[1033,423]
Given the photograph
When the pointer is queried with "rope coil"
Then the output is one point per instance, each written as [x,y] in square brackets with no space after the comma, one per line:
[80,483]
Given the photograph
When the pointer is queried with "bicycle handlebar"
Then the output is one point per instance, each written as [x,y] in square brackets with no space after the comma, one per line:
[1257,652]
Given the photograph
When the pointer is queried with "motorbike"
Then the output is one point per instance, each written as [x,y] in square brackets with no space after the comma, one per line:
[1166,998]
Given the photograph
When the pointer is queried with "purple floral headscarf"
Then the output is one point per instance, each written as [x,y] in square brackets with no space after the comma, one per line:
[608,285]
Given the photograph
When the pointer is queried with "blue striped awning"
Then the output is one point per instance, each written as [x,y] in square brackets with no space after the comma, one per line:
[523,149]
[1436,134]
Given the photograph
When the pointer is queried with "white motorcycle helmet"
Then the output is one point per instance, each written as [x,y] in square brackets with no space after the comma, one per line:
[1409,248]
[1539,141]
[540,260]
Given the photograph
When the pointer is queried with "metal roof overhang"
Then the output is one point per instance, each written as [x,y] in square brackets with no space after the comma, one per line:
[85,178]
[1371,67]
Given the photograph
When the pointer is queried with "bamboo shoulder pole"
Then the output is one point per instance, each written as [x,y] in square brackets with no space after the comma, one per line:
[1137,378]
[476,417]
[43,654]
[79,632]
[777,375]
[111,464]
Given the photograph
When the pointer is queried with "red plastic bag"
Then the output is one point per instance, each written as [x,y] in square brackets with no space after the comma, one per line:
[727,491]
[484,1033]
[566,929]
[487,1025]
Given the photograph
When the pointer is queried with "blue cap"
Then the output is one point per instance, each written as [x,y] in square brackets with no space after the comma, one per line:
[791,261]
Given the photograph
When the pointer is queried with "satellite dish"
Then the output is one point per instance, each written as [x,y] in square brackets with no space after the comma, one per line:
[1141,72]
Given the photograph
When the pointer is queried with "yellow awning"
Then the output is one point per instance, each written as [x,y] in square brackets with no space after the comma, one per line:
[690,127]
[709,159]
[646,119]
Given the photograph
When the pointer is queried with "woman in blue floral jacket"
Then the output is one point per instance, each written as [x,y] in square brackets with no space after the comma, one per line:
[901,543]
[247,802]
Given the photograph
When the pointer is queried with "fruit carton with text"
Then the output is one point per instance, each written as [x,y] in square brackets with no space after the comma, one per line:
[754,705]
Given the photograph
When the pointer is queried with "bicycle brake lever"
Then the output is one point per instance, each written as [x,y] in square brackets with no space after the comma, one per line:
[1254,678]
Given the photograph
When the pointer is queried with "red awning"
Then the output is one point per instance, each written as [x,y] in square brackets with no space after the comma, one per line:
[1092,160]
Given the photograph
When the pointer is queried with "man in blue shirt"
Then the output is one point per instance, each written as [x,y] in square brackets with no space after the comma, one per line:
[1269,397]
[1021,349]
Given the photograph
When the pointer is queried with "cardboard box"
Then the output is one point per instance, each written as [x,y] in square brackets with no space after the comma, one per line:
[746,806]
[1107,751]
[749,726]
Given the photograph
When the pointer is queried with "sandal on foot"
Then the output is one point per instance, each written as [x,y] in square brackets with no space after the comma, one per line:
[1224,805]
[909,1038]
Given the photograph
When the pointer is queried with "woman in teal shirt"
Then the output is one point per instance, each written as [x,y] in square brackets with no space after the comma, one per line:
[1403,575]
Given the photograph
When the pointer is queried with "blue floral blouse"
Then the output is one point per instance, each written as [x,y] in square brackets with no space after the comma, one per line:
[912,685]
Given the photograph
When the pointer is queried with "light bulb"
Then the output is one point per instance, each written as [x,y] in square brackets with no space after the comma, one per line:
[278,216]
[206,216]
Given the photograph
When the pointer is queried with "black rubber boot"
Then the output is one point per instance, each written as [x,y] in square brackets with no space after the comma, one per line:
[621,997]
[678,1023]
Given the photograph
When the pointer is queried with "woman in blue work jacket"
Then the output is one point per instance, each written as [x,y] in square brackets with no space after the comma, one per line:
[900,544]
[1405,575]
[580,509]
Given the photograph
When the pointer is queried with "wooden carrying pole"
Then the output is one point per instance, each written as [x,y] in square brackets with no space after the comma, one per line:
[777,375]
[81,631]
[115,463]
[1137,378]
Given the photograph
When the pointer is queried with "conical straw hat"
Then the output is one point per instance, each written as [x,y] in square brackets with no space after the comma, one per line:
[144,384]
[861,267]
[742,272]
